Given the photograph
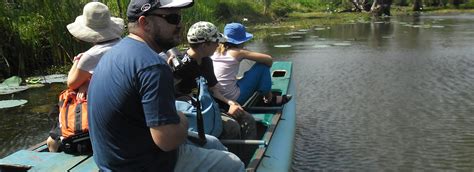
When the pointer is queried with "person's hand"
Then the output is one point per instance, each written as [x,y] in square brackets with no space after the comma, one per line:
[170,58]
[82,93]
[235,110]
[77,58]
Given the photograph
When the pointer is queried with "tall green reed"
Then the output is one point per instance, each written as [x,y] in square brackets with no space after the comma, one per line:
[37,38]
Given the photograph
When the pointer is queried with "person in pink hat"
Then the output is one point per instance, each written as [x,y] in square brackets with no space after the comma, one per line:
[97,27]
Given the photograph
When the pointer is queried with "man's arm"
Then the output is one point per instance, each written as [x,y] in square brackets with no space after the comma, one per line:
[171,136]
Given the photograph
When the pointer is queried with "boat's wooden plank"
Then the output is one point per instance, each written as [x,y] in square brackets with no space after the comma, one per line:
[259,154]
[271,129]
[279,153]
[87,165]
[256,160]
[43,161]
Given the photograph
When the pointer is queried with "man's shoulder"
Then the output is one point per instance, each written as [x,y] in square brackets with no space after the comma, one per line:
[130,45]
[134,52]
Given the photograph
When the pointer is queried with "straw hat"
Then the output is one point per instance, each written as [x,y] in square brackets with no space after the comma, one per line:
[95,24]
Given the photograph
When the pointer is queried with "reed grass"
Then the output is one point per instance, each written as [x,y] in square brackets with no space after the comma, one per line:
[35,37]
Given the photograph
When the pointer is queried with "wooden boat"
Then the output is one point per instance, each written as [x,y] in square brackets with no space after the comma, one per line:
[274,152]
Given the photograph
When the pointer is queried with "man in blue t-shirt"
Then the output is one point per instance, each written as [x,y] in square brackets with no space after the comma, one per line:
[133,122]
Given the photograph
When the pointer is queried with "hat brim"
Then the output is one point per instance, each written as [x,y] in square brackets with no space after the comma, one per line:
[82,32]
[178,4]
[248,36]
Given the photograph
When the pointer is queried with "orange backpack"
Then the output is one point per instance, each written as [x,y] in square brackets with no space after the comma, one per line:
[73,120]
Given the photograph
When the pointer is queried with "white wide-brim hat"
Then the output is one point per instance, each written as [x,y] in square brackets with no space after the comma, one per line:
[95,24]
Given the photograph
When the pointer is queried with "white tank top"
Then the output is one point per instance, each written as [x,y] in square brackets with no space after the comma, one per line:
[226,69]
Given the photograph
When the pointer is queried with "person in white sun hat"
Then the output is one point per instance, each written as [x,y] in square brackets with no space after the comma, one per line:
[97,27]
[203,38]
[133,122]
[94,26]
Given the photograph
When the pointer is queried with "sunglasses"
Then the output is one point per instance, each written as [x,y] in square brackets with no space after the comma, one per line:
[170,18]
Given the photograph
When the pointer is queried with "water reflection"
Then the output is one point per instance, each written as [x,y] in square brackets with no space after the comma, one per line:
[22,127]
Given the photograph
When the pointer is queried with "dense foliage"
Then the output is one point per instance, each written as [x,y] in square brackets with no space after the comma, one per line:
[36,41]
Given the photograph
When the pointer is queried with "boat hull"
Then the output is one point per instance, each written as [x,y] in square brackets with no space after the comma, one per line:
[275,152]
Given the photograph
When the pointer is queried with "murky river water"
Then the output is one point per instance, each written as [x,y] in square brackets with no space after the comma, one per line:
[396,94]
[393,95]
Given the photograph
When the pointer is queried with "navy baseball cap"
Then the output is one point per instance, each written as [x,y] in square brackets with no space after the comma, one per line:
[137,8]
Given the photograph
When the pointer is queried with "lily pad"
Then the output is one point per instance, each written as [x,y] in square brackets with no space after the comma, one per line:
[295,33]
[295,37]
[35,85]
[322,46]
[12,85]
[282,46]
[12,89]
[48,79]
[426,26]
[12,103]
[12,81]
[342,44]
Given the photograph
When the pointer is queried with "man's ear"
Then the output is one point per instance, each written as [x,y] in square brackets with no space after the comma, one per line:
[142,21]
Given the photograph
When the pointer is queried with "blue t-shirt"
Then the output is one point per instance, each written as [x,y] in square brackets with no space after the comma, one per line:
[131,90]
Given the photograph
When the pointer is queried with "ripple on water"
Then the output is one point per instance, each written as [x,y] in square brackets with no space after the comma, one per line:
[384,109]
[321,46]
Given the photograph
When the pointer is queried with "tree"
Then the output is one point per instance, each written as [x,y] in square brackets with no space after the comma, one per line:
[360,5]
[417,5]
[266,5]
[380,7]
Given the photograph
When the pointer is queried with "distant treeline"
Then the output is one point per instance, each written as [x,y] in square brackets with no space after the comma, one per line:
[34,38]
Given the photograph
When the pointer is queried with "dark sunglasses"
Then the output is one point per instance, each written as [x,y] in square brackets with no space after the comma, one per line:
[170,18]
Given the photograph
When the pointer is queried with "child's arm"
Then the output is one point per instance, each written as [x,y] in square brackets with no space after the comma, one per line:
[255,56]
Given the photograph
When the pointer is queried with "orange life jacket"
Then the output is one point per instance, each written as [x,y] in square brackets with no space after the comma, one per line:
[72,115]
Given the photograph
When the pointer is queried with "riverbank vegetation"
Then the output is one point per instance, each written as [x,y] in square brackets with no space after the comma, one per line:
[36,41]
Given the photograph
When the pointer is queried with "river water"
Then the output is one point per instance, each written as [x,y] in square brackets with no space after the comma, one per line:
[395,94]
[392,94]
